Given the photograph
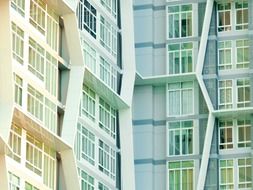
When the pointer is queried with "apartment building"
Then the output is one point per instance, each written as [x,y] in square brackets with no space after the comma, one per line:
[67,75]
[192,104]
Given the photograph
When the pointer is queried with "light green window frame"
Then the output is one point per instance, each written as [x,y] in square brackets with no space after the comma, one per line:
[15,143]
[89,56]
[86,144]
[242,54]
[181,175]
[107,118]
[111,6]
[38,15]
[18,90]
[108,36]
[225,55]
[226,171]
[241,8]
[243,92]
[34,152]
[101,186]
[224,21]
[244,173]
[29,186]
[225,95]
[35,103]
[244,133]
[180,138]
[14,181]
[87,181]
[36,63]
[180,58]
[180,98]
[19,6]
[49,167]
[52,29]
[51,74]
[180,21]
[88,103]
[17,43]
[50,115]
[226,140]
[107,160]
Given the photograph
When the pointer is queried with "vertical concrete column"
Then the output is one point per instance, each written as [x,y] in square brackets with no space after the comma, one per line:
[6,75]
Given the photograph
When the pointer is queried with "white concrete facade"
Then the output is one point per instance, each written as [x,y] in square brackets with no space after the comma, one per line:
[67,79]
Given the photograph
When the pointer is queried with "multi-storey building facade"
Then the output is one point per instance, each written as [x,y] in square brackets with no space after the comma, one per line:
[67,75]
[192,106]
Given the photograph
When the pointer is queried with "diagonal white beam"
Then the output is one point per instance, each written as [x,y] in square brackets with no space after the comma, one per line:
[211,118]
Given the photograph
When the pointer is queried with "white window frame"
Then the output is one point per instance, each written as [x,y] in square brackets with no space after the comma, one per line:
[107,118]
[17,43]
[181,89]
[226,168]
[180,130]
[236,126]
[244,86]
[19,6]
[242,26]
[107,160]
[227,104]
[179,13]
[87,17]
[18,92]
[181,49]
[181,169]
[88,103]
[110,6]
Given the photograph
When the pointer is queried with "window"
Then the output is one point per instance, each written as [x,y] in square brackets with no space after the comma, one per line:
[225,55]
[28,186]
[180,98]
[243,93]
[107,160]
[225,94]
[52,29]
[15,143]
[101,186]
[234,133]
[245,174]
[226,174]
[87,181]
[242,53]
[232,16]
[88,103]
[36,59]
[181,175]
[19,6]
[244,133]
[14,182]
[34,155]
[51,75]
[17,43]
[38,15]
[50,115]
[224,17]
[108,74]
[111,6]
[180,137]
[85,141]
[89,56]
[241,15]
[108,36]
[180,21]
[107,118]
[180,58]
[226,134]
[87,17]
[49,167]
[35,103]
[18,89]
